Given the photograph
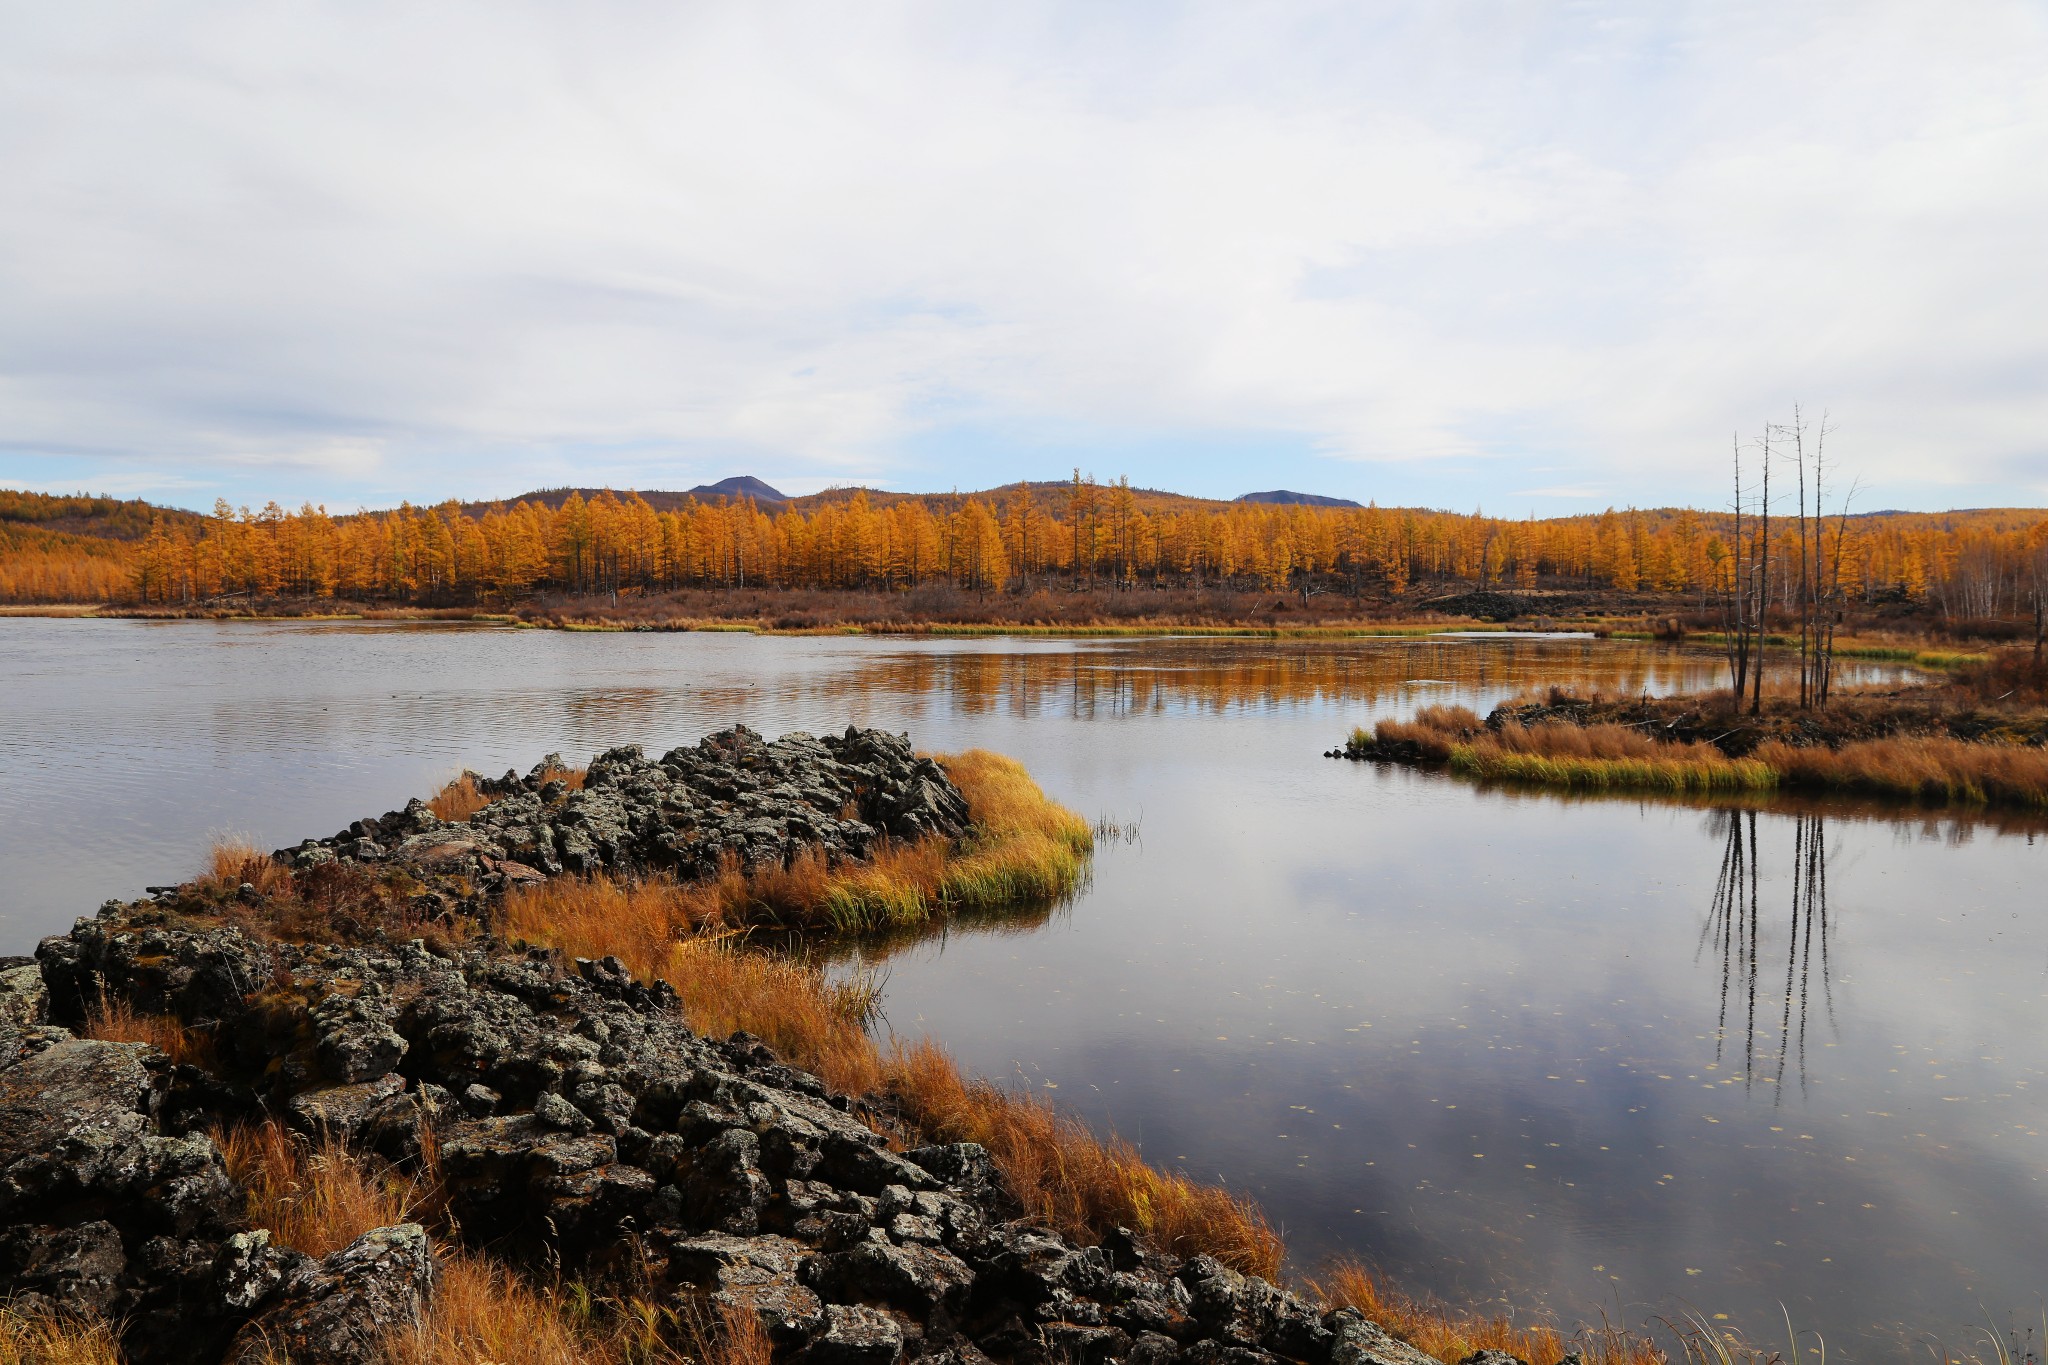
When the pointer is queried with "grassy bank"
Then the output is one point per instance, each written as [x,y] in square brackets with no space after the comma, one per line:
[1585,745]
[696,938]
[1023,847]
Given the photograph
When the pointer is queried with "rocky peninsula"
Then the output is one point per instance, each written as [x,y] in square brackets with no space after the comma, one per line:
[555,1116]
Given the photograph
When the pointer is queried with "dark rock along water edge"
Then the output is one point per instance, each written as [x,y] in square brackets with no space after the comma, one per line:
[579,1123]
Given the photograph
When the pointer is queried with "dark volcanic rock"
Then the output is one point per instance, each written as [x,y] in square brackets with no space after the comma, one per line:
[333,1312]
[579,1127]
[732,796]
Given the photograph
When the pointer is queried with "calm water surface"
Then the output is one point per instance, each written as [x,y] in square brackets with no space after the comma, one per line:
[1572,1054]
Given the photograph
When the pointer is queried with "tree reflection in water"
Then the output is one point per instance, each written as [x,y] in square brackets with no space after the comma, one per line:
[1734,930]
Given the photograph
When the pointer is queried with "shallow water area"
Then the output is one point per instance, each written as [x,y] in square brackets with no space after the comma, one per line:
[1578,1054]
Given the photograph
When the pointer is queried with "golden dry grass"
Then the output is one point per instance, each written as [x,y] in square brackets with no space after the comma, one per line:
[1451,1337]
[483,1312]
[460,797]
[1072,1179]
[654,928]
[1432,730]
[458,800]
[1023,846]
[115,1021]
[1926,769]
[315,1197]
[235,862]
[40,1339]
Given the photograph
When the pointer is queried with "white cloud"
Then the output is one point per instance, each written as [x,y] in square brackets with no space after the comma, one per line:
[401,247]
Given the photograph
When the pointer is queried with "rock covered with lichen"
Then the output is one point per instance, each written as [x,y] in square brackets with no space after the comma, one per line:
[732,797]
[577,1123]
[563,1114]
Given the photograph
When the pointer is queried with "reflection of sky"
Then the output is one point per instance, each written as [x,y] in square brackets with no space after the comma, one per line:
[1472,1034]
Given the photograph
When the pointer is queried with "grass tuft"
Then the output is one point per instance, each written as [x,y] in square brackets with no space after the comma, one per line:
[482,1312]
[33,1338]
[235,862]
[116,1021]
[314,1197]
[459,799]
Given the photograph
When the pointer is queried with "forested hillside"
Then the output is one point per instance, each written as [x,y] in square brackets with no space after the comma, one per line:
[1980,563]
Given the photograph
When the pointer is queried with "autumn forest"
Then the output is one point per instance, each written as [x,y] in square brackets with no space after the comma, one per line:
[1971,564]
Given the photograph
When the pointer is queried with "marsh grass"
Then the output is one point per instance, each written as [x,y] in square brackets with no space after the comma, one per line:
[1450,1336]
[725,987]
[460,797]
[1956,771]
[1615,757]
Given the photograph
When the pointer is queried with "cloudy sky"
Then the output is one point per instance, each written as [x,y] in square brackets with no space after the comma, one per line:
[1525,256]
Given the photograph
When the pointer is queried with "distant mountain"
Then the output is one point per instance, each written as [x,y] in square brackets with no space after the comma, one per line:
[739,486]
[1284,496]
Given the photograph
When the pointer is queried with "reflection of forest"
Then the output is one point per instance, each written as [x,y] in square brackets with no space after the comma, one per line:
[1158,677]
[1735,930]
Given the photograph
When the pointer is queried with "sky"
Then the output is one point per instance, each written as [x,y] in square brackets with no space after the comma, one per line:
[1530,257]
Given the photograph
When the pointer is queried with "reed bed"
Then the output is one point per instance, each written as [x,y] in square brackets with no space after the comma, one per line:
[1675,773]
[1610,757]
[1926,769]
[1450,1336]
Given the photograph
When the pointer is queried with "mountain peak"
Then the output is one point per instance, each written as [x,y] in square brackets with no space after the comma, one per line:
[739,486]
[1287,497]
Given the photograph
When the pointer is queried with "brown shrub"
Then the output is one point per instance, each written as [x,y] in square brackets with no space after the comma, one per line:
[2006,675]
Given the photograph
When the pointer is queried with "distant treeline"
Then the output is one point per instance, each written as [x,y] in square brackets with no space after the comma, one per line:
[1976,564]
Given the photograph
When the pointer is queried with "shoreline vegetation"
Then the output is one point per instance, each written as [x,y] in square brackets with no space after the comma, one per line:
[1977,739]
[1017,848]
[1914,644]
[321,1195]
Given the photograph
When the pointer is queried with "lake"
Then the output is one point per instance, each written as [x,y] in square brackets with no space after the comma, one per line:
[1569,1055]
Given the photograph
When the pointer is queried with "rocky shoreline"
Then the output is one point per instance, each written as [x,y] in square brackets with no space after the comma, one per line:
[567,1119]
